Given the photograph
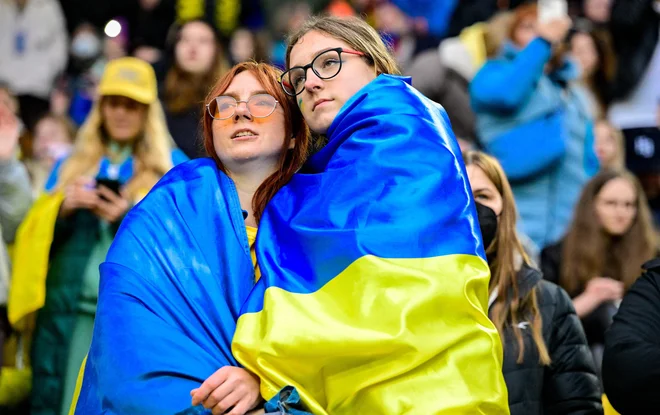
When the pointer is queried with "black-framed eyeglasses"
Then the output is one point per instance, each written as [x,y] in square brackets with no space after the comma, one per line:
[325,65]
[224,106]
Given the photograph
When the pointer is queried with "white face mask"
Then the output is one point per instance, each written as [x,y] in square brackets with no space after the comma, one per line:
[57,151]
[85,46]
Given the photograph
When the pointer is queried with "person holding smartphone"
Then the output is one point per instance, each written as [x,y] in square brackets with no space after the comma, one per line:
[121,151]
[534,118]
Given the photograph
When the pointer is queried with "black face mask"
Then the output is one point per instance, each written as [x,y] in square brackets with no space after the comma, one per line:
[487,223]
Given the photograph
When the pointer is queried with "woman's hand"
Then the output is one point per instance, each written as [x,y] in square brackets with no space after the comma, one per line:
[111,206]
[598,291]
[229,387]
[555,30]
[79,195]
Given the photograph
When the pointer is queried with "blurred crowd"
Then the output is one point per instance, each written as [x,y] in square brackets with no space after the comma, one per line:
[554,117]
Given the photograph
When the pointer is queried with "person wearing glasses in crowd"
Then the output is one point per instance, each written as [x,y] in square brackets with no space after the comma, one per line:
[547,364]
[121,151]
[372,251]
[340,312]
[188,251]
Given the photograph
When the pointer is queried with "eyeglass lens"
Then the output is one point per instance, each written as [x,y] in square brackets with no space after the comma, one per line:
[325,66]
[260,105]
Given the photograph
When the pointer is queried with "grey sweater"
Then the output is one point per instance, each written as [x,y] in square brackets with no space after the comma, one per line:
[15,200]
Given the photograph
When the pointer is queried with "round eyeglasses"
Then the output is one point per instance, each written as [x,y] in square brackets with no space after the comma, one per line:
[325,65]
[224,106]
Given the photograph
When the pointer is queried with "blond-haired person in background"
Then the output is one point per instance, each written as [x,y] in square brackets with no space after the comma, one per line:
[121,151]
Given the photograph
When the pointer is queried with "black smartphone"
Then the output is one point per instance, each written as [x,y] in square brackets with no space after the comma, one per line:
[113,185]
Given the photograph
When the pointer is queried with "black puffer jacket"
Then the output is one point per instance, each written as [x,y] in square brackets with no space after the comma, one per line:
[631,365]
[569,386]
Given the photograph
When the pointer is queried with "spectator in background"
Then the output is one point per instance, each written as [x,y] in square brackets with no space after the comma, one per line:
[609,146]
[246,45]
[599,259]
[597,11]
[152,22]
[534,119]
[86,66]
[198,63]
[33,51]
[398,30]
[547,365]
[597,65]
[287,18]
[52,141]
[444,74]
[635,92]
[15,198]
[125,143]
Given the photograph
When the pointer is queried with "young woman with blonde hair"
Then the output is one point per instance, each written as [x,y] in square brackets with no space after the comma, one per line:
[121,151]
[547,366]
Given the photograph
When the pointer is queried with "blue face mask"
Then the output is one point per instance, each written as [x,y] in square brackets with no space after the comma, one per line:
[85,46]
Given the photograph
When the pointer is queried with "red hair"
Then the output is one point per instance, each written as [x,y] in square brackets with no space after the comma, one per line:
[290,160]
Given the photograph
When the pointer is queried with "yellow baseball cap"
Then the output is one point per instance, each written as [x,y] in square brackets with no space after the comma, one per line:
[129,77]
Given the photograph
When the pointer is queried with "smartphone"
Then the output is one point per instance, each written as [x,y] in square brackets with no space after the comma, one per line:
[552,9]
[113,185]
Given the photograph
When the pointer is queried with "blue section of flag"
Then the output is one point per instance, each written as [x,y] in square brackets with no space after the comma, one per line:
[390,183]
[171,291]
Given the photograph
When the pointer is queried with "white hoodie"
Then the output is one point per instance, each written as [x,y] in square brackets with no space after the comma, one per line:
[41,30]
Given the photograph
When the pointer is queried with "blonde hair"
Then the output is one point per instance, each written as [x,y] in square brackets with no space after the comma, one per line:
[619,162]
[355,32]
[507,251]
[151,152]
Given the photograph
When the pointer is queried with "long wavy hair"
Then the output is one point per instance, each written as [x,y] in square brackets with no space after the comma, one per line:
[599,82]
[184,90]
[589,251]
[506,255]
[295,129]
[152,151]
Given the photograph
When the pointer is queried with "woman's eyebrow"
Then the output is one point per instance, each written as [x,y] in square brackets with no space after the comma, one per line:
[237,98]
[317,53]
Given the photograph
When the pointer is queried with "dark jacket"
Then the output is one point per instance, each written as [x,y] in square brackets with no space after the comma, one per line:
[631,364]
[73,241]
[567,386]
[634,26]
[186,130]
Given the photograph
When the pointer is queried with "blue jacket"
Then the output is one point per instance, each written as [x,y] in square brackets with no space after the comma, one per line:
[539,128]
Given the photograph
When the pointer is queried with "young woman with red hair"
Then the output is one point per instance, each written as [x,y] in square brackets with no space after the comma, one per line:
[183,262]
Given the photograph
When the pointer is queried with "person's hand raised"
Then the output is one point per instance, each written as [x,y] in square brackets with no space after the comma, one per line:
[555,30]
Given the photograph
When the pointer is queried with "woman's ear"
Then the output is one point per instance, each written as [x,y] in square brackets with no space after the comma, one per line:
[292,143]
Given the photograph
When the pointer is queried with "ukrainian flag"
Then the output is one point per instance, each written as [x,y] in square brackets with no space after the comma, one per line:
[171,289]
[373,295]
